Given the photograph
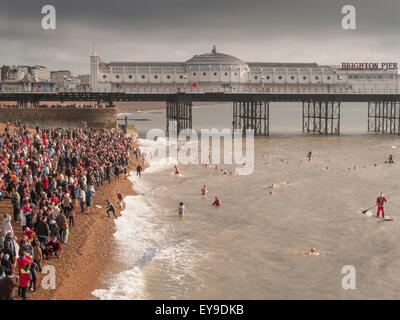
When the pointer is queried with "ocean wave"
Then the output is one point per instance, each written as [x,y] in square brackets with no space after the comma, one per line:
[144,239]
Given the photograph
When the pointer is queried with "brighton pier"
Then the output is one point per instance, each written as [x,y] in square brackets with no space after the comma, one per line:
[250,86]
[321,112]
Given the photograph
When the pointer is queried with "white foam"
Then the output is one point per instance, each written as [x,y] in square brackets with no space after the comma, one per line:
[156,164]
[142,239]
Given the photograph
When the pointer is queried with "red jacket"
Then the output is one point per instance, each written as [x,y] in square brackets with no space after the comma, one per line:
[24,278]
[22,262]
[381,201]
[45,183]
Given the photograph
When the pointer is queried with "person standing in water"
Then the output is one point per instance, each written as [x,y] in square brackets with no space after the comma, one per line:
[181,210]
[390,158]
[309,155]
[217,202]
[204,190]
[176,170]
[380,201]
[139,170]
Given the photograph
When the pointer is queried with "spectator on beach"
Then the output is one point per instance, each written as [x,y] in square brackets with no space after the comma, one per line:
[43,230]
[10,247]
[64,233]
[6,224]
[53,247]
[7,287]
[89,198]
[82,199]
[38,255]
[15,199]
[24,280]
[121,201]
[6,263]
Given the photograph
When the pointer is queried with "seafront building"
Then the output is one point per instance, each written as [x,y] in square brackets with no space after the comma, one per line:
[25,79]
[220,72]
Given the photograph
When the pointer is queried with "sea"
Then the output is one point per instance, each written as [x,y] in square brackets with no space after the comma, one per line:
[256,245]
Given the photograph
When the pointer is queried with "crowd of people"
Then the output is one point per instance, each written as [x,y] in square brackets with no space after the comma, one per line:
[48,174]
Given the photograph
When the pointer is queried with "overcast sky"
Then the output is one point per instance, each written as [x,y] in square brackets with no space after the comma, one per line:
[175,30]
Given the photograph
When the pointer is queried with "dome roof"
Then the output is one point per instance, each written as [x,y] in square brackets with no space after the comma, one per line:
[215,61]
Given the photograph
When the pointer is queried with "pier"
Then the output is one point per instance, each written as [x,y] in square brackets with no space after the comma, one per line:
[321,112]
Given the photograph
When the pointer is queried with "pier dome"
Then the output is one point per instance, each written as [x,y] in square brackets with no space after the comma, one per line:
[215,61]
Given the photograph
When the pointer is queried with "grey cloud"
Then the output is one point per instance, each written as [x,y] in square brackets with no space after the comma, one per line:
[174,30]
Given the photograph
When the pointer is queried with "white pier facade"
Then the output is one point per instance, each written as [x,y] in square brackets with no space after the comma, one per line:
[218,72]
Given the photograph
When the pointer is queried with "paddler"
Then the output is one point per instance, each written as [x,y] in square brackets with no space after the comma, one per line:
[380,201]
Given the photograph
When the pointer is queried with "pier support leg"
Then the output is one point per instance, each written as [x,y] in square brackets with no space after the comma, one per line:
[251,114]
[384,117]
[322,117]
[179,113]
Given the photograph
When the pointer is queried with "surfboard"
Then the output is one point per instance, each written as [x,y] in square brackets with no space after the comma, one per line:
[373,215]
[385,219]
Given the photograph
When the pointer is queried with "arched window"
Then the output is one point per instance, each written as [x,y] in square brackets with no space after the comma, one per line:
[130,76]
[143,76]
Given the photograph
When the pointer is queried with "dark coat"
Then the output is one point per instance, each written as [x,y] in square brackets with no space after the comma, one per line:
[7,287]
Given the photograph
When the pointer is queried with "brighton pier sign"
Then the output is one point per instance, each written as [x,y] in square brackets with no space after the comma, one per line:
[369,66]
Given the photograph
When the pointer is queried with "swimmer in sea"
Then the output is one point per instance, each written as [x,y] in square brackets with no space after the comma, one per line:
[313,252]
[204,190]
[217,202]
[181,210]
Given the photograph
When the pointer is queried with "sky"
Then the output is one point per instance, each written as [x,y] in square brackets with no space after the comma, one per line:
[175,30]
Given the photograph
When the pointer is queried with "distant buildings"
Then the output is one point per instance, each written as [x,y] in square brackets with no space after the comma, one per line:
[63,79]
[25,79]
[40,79]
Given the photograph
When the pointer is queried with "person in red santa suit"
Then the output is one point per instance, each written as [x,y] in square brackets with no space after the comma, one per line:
[380,201]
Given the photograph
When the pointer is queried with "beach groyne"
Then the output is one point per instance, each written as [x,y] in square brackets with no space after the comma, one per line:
[61,117]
